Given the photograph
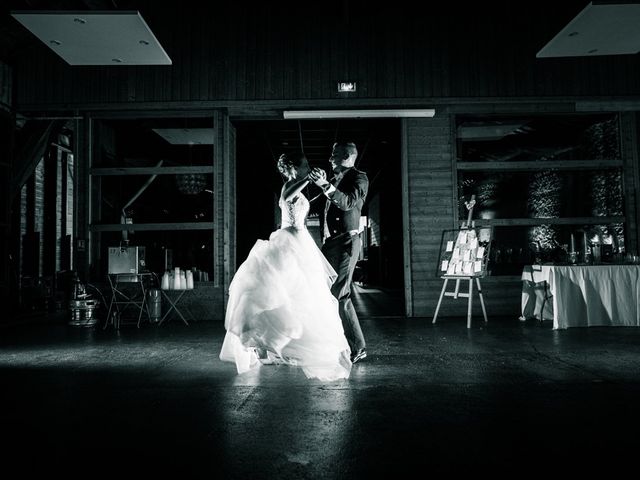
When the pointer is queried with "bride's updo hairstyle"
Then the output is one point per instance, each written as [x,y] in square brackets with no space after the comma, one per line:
[295,159]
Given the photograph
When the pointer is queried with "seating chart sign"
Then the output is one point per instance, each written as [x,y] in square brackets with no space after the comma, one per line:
[464,252]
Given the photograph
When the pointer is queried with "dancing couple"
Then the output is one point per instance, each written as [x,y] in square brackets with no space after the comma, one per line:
[290,302]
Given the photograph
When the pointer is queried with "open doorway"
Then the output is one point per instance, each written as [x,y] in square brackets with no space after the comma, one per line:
[378,281]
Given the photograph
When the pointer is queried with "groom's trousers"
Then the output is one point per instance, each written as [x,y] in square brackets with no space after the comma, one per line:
[342,252]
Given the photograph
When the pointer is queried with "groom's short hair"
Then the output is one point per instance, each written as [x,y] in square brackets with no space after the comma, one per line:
[348,147]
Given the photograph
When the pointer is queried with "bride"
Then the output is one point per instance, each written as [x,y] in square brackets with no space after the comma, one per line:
[280,307]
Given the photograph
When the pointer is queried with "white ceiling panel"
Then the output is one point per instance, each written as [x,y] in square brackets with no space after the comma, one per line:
[96,38]
[608,29]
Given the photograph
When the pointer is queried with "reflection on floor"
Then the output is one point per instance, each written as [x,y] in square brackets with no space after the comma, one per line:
[432,398]
[371,301]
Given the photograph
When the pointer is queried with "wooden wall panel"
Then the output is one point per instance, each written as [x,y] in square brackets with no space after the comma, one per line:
[219,192]
[631,186]
[224,202]
[427,174]
[230,202]
[431,205]
[291,53]
[7,282]
[6,86]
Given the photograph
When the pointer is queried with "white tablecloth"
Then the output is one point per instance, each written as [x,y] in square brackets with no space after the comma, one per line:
[536,301]
[583,296]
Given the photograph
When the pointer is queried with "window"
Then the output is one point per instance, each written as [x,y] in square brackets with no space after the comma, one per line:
[156,176]
[540,180]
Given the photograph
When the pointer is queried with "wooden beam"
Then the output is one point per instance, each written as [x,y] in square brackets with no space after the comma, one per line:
[104,171]
[508,222]
[35,139]
[539,165]
[120,227]
[406,220]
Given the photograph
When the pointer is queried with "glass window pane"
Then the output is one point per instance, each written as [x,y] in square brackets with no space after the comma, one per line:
[188,249]
[535,192]
[514,247]
[182,196]
[537,138]
[143,142]
[168,198]
[542,194]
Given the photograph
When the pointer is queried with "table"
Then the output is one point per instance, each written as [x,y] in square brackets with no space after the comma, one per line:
[536,300]
[582,295]
[128,290]
[177,296]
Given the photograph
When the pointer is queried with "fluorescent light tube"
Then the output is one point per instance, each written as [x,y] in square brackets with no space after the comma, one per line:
[378,113]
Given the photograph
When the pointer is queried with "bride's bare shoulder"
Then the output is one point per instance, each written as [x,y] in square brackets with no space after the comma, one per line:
[284,193]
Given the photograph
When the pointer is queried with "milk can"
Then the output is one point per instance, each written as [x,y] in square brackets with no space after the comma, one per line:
[82,312]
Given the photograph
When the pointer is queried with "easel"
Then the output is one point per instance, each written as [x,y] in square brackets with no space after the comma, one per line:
[465,276]
[456,293]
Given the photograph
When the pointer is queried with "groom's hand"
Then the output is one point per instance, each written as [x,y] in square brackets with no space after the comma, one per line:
[319,177]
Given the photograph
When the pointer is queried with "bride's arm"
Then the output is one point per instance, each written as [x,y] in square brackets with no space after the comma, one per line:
[290,190]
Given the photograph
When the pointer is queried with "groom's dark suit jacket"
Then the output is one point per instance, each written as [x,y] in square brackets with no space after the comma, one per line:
[344,206]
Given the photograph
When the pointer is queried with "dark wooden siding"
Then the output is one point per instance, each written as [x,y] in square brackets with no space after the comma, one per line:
[432,204]
[6,246]
[629,148]
[283,51]
[224,203]
[6,86]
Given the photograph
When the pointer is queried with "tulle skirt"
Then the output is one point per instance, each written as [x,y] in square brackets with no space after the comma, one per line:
[281,309]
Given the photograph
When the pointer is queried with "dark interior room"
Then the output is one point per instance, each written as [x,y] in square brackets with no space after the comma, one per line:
[311,240]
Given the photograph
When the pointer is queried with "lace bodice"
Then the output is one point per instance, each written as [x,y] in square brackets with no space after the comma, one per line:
[294,213]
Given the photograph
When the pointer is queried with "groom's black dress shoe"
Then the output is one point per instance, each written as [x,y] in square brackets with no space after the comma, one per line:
[358,355]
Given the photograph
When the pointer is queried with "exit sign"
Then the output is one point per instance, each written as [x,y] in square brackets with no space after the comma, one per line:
[346,86]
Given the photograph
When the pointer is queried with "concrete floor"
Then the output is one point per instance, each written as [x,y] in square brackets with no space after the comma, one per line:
[510,398]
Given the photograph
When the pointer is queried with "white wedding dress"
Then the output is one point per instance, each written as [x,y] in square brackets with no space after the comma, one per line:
[280,307]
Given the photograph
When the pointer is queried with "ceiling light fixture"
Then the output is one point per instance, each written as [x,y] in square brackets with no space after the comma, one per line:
[372,113]
[601,28]
[96,37]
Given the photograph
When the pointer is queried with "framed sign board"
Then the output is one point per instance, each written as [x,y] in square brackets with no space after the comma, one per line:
[464,252]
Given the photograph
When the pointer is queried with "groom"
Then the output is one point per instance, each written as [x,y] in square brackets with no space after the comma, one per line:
[345,197]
